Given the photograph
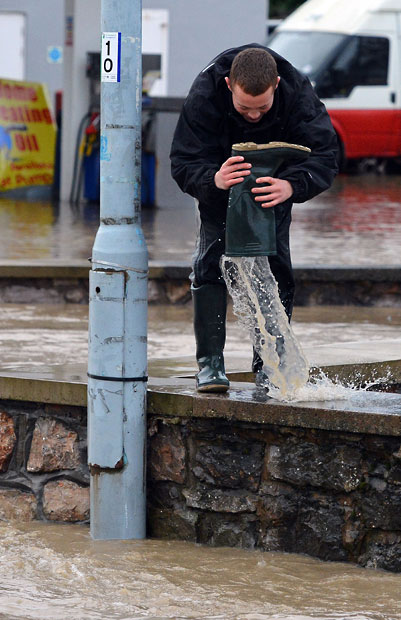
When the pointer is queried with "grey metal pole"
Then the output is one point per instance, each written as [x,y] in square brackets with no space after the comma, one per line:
[117,366]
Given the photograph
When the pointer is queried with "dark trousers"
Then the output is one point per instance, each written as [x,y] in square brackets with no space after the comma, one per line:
[211,245]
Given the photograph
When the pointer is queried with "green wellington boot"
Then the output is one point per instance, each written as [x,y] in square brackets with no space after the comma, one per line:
[210,306]
[250,228]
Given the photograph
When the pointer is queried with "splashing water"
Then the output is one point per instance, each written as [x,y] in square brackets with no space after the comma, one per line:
[257,304]
[322,388]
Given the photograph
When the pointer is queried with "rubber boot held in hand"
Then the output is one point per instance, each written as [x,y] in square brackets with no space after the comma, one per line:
[251,228]
[210,306]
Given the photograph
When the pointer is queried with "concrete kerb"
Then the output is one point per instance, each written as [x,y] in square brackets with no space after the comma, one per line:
[364,412]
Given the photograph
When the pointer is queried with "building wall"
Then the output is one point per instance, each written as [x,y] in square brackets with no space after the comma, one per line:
[44,28]
[198,31]
[201,29]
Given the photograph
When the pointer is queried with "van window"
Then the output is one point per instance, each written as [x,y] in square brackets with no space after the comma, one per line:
[307,51]
[363,61]
[335,63]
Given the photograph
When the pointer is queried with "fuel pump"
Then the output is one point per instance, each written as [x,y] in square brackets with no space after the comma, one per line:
[86,172]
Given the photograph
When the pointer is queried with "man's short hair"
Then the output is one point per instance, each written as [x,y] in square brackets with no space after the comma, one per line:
[254,70]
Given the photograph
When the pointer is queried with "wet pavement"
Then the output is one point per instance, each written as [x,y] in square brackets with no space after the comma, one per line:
[356,222]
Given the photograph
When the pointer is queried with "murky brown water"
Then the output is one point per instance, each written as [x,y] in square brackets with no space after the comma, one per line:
[356,222]
[57,572]
[34,336]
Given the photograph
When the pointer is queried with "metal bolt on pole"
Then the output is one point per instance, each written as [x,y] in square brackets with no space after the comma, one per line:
[117,366]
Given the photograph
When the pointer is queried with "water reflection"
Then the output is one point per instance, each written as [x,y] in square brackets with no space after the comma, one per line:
[366,204]
[46,230]
[56,571]
[26,228]
[356,222]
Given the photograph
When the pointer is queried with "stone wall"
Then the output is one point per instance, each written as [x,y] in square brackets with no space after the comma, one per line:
[43,471]
[357,286]
[334,495]
[44,290]
[169,284]
[76,291]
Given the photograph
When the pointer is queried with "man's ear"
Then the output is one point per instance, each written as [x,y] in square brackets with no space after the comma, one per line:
[278,80]
[228,83]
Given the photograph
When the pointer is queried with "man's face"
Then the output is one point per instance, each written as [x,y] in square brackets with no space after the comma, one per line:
[250,107]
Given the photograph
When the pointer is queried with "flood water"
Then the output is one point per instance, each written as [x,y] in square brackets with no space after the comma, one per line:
[356,222]
[34,336]
[54,571]
[57,572]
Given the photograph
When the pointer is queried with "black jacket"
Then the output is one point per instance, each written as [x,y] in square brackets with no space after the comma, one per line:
[209,125]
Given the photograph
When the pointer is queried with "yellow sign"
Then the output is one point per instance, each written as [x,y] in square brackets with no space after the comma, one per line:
[27,135]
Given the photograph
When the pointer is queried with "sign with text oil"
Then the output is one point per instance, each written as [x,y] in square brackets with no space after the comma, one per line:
[27,135]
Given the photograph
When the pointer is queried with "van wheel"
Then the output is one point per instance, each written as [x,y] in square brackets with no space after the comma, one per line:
[341,158]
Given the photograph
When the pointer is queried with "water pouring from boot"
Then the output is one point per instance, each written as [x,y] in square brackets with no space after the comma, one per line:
[250,240]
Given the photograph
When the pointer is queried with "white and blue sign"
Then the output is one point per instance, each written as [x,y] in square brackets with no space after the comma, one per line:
[111,56]
[104,153]
[54,54]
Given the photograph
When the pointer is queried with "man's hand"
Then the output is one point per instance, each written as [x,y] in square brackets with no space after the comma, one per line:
[231,172]
[276,192]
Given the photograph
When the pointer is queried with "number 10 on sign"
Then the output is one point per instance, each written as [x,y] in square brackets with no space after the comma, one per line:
[111,56]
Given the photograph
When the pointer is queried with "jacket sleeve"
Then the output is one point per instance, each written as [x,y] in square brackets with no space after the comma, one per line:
[196,154]
[310,125]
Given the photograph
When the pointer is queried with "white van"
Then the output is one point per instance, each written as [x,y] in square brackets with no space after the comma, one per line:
[351,51]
